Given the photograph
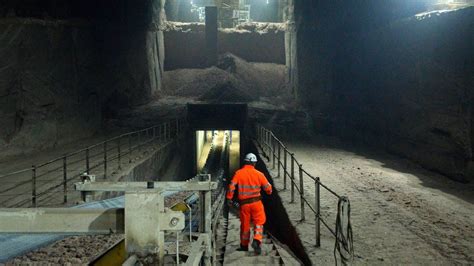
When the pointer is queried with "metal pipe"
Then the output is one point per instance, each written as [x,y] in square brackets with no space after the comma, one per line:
[303,216]
[177,247]
[292,178]
[317,214]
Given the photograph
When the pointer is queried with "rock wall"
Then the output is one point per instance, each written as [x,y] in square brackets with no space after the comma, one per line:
[49,89]
[409,87]
[185,44]
[367,73]
[65,68]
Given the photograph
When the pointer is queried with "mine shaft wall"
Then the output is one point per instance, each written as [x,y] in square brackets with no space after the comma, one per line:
[185,46]
[405,85]
[49,90]
[64,69]
[409,87]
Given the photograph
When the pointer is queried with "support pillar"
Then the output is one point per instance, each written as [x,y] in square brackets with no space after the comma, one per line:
[211,35]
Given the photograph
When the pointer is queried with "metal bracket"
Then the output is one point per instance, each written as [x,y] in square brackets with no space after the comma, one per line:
[144,219]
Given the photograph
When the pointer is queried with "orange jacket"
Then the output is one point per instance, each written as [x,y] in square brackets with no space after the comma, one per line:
[250,181]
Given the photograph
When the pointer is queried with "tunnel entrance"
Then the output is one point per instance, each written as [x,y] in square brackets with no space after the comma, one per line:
[207,139]
[228,120]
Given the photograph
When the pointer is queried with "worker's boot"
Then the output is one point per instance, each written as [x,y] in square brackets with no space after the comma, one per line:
[243,248]
[256,245]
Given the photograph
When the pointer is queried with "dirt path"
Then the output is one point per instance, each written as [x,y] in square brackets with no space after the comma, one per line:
[401,213]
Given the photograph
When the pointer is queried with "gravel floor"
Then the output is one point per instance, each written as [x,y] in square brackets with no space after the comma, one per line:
[73,250]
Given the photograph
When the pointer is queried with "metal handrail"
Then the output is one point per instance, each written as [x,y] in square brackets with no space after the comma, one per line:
[16,172]
[272,148]
[123,144]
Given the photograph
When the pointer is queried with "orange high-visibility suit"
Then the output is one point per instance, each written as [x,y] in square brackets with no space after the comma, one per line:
[250,182]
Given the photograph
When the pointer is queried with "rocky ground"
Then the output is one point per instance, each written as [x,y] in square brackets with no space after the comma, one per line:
[74,250]
[401,213]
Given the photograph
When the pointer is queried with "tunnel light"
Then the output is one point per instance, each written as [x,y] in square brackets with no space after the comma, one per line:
[453,4]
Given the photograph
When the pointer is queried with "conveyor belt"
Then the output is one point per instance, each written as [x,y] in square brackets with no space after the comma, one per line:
[14,245]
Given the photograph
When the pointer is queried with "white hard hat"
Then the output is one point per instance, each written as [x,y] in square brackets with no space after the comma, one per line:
[250,158]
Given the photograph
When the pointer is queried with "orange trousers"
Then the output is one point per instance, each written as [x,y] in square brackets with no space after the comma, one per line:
[251,213]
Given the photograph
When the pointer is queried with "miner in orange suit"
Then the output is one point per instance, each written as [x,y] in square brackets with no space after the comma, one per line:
[249,182]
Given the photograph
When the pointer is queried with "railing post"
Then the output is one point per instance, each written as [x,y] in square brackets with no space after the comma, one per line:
[285,167]
[154,132]
[303,216]
[317,207]
[105,160]
[273,151]
[87,161]
[130,147]
[292,178]
[65,178]
[33,186]
[279,158]
[119,153]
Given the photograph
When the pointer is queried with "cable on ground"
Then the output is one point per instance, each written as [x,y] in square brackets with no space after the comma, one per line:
[344,242]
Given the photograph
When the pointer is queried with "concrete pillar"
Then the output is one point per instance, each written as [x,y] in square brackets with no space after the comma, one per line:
[211,35]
